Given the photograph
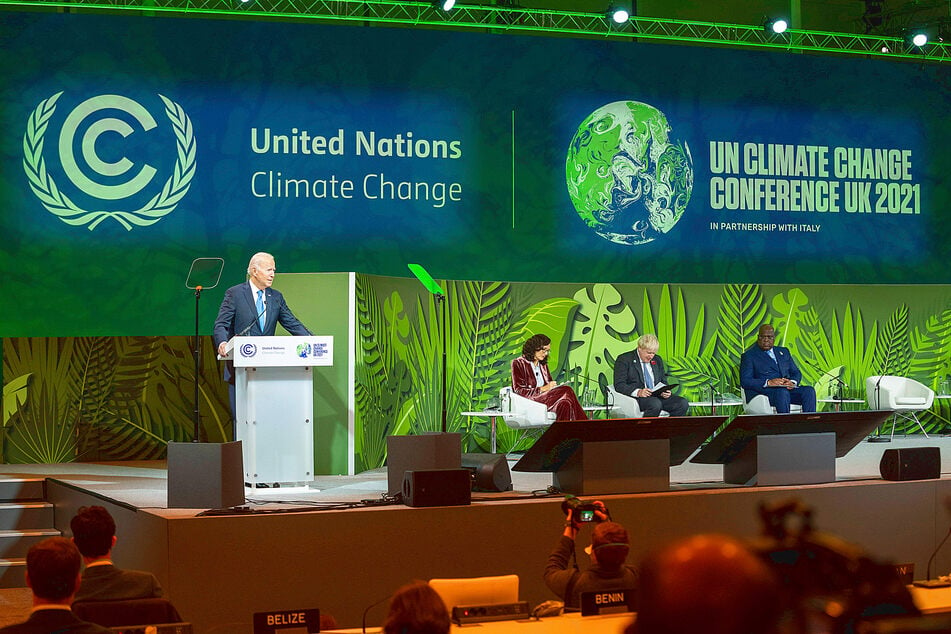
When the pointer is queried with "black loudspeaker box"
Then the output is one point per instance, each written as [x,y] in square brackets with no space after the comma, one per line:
[490,471]
[419,453]
[911,463]
[205,475]
[437,487]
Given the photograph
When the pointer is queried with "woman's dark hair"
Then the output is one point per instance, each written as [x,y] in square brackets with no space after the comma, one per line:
[533,345]
[416,609]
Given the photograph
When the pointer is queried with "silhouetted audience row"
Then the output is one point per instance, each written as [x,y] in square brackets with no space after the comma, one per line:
[58,580]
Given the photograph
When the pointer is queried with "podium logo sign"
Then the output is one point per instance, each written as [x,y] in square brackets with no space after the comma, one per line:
[627,179]
[248,350]
[86,174]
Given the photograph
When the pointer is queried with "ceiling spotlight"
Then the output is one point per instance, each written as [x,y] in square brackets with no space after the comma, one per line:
[919,38]
[619,14]
[445,5]
[778,25]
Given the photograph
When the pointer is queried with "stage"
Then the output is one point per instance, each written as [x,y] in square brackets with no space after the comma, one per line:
[323,546]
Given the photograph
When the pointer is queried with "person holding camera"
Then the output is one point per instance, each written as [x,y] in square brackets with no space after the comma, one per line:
[608,552]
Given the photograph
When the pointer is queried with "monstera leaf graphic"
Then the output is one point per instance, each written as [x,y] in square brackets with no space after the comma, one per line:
[548,317]
[602,319]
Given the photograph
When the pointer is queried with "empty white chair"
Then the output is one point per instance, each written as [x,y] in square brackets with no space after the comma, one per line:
[903,395]
[476,590]
[760,404]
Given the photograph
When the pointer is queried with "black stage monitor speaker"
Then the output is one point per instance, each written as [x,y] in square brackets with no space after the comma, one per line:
[205,475]
[419,453]
[911,463]
[437,487]
[490,471]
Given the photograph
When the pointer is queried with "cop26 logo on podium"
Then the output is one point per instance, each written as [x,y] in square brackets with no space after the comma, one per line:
[85,175]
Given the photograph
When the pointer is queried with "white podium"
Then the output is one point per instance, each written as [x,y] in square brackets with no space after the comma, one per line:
[274,399]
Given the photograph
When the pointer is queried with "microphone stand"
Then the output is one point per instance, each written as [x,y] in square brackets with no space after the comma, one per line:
[878,398]
[204,273]
[711,383]
[196,417]
[440,297]
[929,582]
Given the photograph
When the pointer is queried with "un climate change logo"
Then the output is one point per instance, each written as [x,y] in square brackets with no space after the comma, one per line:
[626,179]
[89,124]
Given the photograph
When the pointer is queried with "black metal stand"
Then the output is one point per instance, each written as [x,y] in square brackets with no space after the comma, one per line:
[443,307]
[196,417]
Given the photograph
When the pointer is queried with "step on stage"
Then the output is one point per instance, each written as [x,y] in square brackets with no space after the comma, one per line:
[323,548]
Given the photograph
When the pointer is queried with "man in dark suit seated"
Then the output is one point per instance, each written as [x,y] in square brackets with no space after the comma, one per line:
[771,370]
[94,533]
[640,372]
[52,573]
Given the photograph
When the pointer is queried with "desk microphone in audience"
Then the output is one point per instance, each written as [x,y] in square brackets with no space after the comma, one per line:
[936,583]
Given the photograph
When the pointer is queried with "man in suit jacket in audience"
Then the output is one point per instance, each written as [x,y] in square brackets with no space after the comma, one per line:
[771,370]
[94,532]
[52,573]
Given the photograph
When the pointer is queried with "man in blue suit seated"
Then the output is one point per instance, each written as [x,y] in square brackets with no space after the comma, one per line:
[770,370]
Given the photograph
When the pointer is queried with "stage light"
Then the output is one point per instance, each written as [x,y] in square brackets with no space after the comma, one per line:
[919,38]
[777,25]
[445,5]
[619,14]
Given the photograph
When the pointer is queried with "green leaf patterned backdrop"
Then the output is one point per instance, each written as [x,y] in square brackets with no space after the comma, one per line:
[123,398]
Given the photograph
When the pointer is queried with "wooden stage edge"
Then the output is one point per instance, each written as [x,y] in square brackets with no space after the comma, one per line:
[219,570]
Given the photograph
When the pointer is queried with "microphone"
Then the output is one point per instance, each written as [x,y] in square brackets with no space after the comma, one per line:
[840,384]
[711,381]
[935,583]
[254,321]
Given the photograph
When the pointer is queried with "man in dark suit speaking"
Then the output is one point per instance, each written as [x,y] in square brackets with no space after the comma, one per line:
[253,309]
[640,373]
[771,370]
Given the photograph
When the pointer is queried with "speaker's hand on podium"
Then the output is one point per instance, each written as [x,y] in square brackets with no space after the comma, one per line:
[221,348]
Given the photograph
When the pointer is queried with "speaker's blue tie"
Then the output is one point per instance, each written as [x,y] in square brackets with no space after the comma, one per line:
[260,306]
[648,376]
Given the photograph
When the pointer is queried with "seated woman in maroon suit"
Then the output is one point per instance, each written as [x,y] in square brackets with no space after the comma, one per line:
[531,379]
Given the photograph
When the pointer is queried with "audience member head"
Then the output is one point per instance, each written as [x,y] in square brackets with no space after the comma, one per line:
[416,609]
[707,583]
[609,545]
[94,531]
[53,570]
[533,345]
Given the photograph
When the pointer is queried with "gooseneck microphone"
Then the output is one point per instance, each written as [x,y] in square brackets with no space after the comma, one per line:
[247,328]
[929,582]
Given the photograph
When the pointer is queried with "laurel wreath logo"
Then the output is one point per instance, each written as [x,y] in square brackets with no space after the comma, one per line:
[58,203]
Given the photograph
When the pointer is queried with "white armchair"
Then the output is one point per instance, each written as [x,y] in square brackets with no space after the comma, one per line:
[902,395]
[760,405]
[522,413]
[622,405]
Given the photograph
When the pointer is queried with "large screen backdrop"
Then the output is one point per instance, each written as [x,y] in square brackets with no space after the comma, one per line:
[132,145]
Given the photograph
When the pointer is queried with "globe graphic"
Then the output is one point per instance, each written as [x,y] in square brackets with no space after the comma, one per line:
[626,179]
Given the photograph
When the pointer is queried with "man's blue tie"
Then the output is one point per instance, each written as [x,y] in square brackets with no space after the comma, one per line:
[648,377]
[260,306]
